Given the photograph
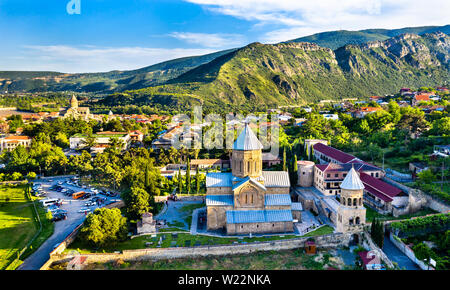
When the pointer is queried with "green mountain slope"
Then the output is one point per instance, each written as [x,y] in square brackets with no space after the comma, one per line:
[117,81]
[259,76]
[102,82]
[336,39]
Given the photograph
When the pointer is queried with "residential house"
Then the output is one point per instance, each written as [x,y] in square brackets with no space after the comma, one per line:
[11,142]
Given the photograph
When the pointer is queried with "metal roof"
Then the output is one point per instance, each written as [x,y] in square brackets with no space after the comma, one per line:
[297,206]
[218,179]
[248,179]
[276,179]
[258,216]
[277,199]
[247,140]
[221,200]
[352,181]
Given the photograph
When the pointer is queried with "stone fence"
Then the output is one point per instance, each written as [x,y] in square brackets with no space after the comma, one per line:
[408,252]
[326,241]
[430,201]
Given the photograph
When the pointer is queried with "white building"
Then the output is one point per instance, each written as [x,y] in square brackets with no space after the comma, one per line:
[12,142]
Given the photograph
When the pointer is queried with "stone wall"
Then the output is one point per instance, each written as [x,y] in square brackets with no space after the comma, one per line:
[408,252]
[368,243]
[326,241]
[246,228]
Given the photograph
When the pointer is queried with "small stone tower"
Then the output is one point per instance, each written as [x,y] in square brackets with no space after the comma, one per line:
[247,155]
[351,212]
[305,173]
[74,102]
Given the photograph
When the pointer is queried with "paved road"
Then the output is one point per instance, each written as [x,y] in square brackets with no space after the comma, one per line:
[395,255]
[62,228]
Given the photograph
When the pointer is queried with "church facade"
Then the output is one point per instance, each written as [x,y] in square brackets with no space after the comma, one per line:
[249,200]
[74,111]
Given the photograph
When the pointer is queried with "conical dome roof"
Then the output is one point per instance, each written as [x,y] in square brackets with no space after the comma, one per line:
[247,140]
[352,181]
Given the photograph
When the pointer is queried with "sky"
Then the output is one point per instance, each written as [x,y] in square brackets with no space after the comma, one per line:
[103,35]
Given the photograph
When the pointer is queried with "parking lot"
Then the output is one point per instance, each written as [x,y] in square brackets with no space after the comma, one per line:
[73,212]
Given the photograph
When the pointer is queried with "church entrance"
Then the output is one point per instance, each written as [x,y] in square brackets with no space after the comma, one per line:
[354,240]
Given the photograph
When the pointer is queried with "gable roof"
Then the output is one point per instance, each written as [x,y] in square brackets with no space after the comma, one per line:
[247,140]
[336,154]
[258,216]
[379,188]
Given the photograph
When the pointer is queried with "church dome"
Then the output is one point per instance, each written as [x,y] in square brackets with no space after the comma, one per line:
[352,181]
[247,140]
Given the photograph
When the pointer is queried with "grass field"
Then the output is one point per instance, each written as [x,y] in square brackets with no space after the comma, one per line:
[272,260]
[18,225]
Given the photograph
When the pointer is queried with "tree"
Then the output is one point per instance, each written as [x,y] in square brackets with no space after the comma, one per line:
[441,127]
[422,251]
[31,175]
[180,181]
[104,227]
[197,180]
[137,202]
[426,176]
[284,159]
[377,232]
[188,176]
[89,141]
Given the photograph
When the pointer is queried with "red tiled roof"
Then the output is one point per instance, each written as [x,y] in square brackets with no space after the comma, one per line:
[333,153]
[379,188]
[422,97]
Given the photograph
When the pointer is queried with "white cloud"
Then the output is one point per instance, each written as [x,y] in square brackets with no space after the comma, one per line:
[92,58]
[210,39]
[296,18]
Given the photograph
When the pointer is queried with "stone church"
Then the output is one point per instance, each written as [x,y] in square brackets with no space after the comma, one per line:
[75,111]
[249,200]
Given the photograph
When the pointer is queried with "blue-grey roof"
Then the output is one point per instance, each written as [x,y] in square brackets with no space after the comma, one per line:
[258,216]
[270,178]
[221,200]
[248,179]
[276,179]
[277,199]
[218,179]
[247,140]
[297,206]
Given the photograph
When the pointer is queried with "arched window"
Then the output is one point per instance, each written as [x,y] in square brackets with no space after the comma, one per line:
[240,166]
[343,201]
[360,201]
[357,220]
[350,221]
[349,201]
[354,202]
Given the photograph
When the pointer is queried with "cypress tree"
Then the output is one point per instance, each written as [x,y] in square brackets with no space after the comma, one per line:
[188,176]
[284,159]
[180,181]
[197,181]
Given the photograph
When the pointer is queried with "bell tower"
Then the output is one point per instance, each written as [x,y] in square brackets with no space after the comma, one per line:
[247,155]
[74,102]
[351,212]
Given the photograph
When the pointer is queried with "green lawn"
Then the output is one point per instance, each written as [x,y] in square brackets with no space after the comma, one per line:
[18,225]
[188,209]
[325,230]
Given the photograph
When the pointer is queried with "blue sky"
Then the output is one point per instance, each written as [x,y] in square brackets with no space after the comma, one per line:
[129,34]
